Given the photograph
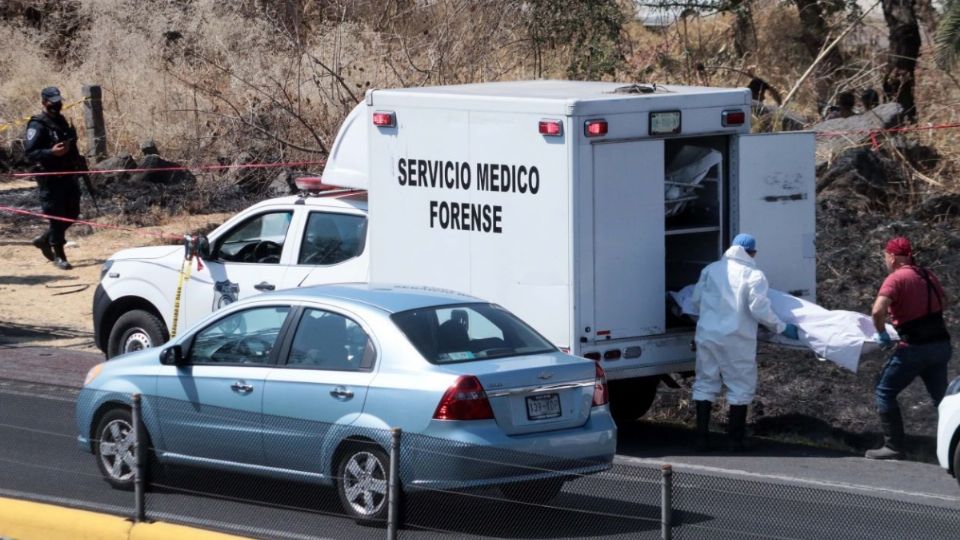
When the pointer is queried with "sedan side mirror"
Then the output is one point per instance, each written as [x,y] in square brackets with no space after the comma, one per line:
[172,356]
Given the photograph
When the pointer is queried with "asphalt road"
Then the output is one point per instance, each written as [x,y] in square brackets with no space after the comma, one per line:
[39,460]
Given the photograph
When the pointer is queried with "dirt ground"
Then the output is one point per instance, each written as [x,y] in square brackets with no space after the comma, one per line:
[41,305]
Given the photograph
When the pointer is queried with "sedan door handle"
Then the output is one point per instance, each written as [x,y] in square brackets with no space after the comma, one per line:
[264,286]
[241,387]
[342,393]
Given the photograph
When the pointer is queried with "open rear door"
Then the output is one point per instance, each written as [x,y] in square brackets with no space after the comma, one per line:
[628,224]
[775,200]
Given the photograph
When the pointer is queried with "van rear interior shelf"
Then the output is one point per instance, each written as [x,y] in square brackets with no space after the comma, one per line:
[694,197]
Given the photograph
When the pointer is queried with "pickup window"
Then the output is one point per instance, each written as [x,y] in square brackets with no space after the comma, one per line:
[257,240]
[332,238]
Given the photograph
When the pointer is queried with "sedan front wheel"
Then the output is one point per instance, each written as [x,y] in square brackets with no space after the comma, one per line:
[114,448]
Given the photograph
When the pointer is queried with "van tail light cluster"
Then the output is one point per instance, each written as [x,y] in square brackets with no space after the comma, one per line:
[601,392]
[733,118]
[551,128]
[384,119]
[595,128]
[465,400]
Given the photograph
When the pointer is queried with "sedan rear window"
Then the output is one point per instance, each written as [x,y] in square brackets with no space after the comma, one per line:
[469,332]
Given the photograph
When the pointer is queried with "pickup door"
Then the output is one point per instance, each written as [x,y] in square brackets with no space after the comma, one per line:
[776,202]
[249,258]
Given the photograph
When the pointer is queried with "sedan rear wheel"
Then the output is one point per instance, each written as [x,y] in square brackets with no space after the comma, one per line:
[114,448]
[362,483]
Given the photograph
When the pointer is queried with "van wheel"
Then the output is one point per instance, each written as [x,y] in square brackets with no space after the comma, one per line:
[631,398]
[135,330]
[535,491]
[362,483]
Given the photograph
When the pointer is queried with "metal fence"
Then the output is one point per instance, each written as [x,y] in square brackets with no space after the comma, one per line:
[40,459]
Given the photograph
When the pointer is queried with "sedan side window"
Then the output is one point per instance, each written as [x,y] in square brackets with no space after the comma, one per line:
[330,341]
[244,337]
[258,240]
[332,238]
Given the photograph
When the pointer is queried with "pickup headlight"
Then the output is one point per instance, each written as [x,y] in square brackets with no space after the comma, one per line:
[954,387]
[105,267]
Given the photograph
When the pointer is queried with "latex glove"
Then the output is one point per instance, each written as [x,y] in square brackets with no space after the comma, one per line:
[791,332]
[883,339]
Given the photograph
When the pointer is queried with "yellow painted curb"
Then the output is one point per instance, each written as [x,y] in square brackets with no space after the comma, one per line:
[22,520]
[166,531]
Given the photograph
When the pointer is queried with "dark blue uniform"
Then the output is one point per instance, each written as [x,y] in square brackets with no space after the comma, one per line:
[59,195]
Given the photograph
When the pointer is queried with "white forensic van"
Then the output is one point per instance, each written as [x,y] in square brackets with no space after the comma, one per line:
[576,205]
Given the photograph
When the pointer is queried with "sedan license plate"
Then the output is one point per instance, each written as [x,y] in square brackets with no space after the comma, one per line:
[543,406]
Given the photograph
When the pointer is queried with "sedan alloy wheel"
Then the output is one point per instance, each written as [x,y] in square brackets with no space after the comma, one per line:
[362,484]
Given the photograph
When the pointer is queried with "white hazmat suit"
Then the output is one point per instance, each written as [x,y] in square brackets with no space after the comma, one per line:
[731,299]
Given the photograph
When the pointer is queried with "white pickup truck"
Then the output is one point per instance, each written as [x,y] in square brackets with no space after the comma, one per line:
[576,205]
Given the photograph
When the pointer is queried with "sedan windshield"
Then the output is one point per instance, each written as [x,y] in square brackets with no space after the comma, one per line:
[469,332]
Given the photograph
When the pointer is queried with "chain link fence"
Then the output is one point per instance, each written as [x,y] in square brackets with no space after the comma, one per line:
[289,485]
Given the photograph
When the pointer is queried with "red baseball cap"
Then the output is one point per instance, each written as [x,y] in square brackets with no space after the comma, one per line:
[899,246]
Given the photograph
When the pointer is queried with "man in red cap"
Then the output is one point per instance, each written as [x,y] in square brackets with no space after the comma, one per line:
[914,299]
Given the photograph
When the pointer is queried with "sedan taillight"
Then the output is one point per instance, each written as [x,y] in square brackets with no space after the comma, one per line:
[465,400]
[601,393]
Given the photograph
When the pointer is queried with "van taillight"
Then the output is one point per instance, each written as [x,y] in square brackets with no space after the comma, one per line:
[595,128]
[551,128]
[733,118]
[601,394]
[465,400]
[384,119]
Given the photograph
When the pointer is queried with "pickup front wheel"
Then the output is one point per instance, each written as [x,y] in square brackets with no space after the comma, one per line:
[134,331]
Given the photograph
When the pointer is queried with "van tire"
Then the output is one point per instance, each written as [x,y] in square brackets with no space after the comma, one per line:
[135,330]
[631,398]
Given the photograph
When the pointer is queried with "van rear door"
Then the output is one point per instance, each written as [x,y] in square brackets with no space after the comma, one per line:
[628,229]
[775,200]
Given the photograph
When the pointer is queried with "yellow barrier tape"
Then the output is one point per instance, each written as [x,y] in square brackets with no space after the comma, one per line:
[185,270]
[22,121]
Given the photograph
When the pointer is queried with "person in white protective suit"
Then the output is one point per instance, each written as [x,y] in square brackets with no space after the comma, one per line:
[731,299]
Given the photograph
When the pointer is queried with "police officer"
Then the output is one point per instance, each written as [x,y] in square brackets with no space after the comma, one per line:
[51,144]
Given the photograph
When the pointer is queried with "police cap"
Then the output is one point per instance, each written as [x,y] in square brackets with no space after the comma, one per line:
[51,94]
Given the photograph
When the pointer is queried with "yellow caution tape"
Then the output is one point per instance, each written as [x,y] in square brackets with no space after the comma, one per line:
[185,270]
[22,121]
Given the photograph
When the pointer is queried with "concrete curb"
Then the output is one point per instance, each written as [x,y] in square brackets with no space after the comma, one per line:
[22,520]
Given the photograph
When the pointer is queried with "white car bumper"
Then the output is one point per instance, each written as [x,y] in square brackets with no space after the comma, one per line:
[947,428]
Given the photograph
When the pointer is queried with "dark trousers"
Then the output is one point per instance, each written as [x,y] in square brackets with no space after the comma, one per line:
[929,362]
[62,200]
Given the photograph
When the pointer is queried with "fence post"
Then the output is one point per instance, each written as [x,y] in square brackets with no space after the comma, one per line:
[93,118]
[666,502]
[393,486]
[139,471]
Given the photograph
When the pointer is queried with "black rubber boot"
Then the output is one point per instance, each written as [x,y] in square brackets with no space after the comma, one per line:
[60,261]
[42,243]
[892,425]
[703,425]
[737,429]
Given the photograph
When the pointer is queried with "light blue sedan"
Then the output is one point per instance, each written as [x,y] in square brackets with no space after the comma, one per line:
[306,383]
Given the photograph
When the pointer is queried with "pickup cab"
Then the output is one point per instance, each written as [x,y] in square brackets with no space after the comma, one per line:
[275,244]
